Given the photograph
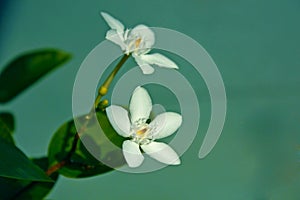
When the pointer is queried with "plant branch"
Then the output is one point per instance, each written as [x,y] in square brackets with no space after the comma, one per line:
[67,160]
[105,86]
[101,92]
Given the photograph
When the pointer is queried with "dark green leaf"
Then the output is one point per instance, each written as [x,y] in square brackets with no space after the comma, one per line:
[20,189]
[6,127]
[8,118]
[82,163]
[14,164]
[9,187]
[110,132]
[26,69]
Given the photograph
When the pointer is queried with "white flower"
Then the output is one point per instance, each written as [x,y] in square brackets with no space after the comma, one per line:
[142,134]
[137,41]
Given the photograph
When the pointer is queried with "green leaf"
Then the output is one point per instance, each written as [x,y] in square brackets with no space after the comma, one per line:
[20,189]
[8,118]
[82,163]
[9,187]
[14,164]
[109,131]
[6,127]
[26,69]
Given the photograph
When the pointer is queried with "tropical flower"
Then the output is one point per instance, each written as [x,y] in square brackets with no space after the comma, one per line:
[138,42]
[142,135]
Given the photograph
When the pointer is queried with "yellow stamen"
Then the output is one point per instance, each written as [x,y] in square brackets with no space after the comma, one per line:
[138,42]
[141,131]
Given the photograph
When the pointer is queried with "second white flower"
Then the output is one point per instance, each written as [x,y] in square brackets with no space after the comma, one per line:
[140,133]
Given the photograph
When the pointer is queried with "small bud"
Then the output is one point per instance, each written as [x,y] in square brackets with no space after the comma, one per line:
[102,91]
[103,104]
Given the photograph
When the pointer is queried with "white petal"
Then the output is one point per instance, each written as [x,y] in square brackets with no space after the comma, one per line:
[158,59]
[146,68]
[161,152]
[116,38]
[118,117]
[166,124]
[140,104]
[113,23]
[145,33]
[132,153]
[126,34]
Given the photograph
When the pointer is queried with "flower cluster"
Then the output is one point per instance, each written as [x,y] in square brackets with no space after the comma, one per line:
[133,125]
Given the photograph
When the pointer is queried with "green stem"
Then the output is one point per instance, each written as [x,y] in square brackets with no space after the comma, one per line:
[105,86]
[101,92]
[67,160]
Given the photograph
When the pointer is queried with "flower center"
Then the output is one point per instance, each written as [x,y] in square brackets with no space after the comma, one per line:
[135,44]
[138,42]
[141,132]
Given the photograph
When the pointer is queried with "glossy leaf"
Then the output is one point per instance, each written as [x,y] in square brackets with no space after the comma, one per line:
[6,127]
[14,164]
[8,118]
[26,69]
[82,163]
[9,187]
[110,132]
[20,189]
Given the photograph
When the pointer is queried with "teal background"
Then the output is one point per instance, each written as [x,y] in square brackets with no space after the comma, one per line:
[256,47]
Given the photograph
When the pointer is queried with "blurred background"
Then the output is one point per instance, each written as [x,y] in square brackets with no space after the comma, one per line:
[255,45]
